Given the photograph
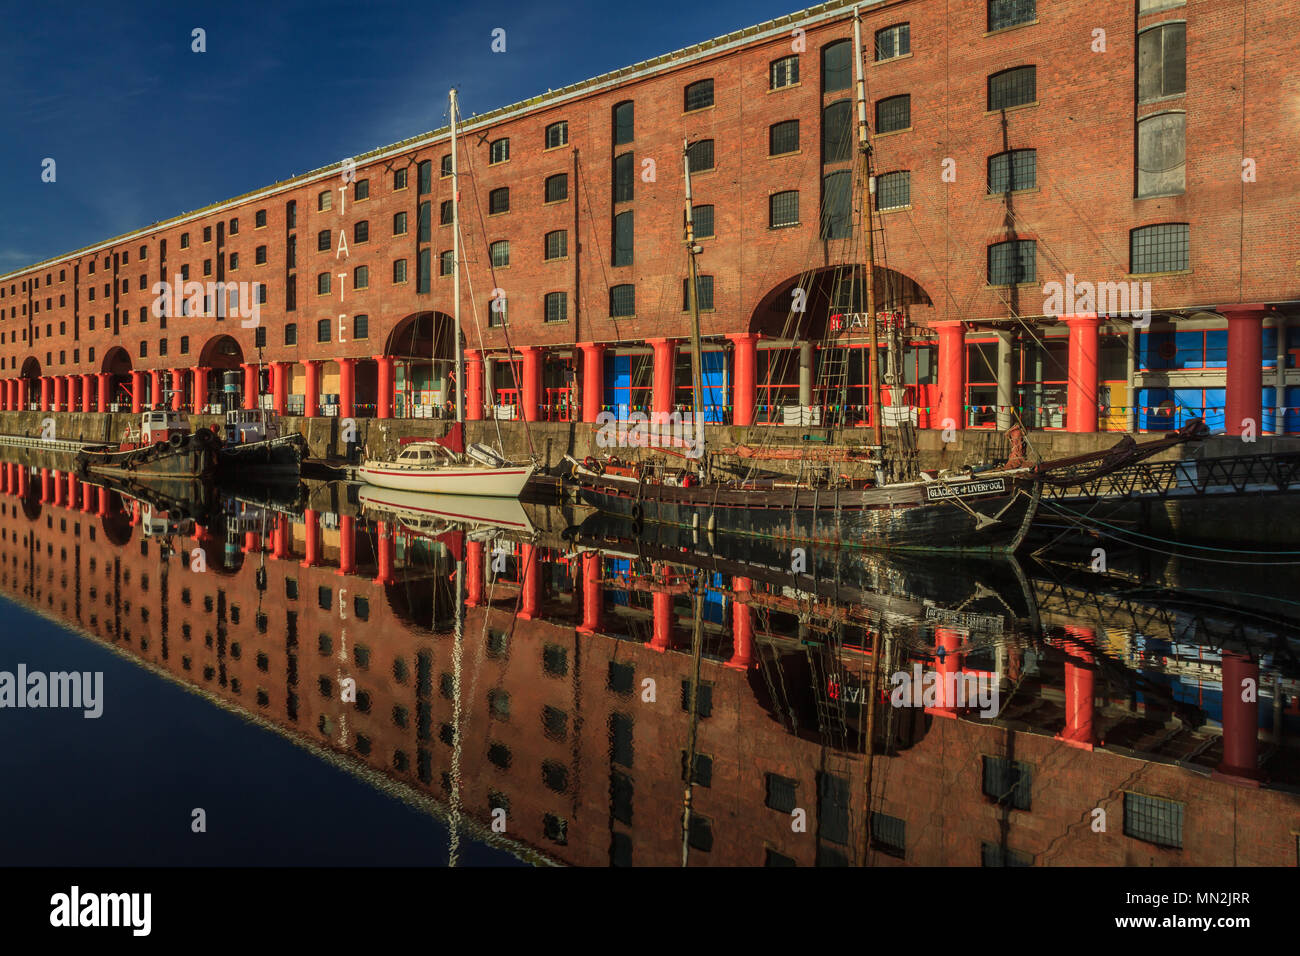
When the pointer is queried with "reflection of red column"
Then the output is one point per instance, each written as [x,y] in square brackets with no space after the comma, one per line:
[530,582]
[89,498]
[347,545]
[665,374]
[135,512]
[312,400]
[473,385]
[22,481]
[593,595]
[1079,693]
[384,399]
[742,628]
[663,622]
[1243,392]
[946,669]
[103,503]
[280,537]
[347,387]
[531,398]
[311,549]
[1240,720]
[593,379]
[72,491]
[47,487]
[137,392]
[104,385]
[252,543]
[251,384]
[6,485]
[746,363]
[952,375]
[473,573]
[386,553]
[56,484]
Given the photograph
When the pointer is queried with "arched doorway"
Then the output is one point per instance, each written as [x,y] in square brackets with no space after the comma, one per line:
[221,354]
[812,363]
[423,352]
[117,364]
[30,395]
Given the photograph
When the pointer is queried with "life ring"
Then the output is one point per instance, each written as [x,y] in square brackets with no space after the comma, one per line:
[175,439]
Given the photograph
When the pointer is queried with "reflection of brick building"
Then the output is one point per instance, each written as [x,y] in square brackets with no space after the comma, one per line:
[553,725]
[1010,153]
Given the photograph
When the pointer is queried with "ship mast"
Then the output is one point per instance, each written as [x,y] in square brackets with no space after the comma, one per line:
[455,269]
[868,195]
[697,364]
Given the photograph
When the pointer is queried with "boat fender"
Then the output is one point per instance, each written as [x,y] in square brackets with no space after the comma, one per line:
[638,514]
[175,439]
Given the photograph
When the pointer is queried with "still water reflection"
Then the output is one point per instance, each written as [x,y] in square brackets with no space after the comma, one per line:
[524,676]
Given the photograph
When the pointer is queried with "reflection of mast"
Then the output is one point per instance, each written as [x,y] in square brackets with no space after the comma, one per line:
[692,738]
[453,818]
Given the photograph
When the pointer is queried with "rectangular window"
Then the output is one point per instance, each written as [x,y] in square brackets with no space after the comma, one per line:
[893,41]
[1013,262]
[557,244]
[361,277]
[322,283]
[894,190]
[622,301]
[259,221]
[1008,13]
[703,292]
[361,189]
[499,200]
[1160,248]
[783,138]
[557,134]
[399,271]
[623,239]
[185,244]
[894,113]
[361,232]
[781,793]
[323,241]
[837,66]
[1162,62]
[1162,155]
[783,72]
[1014,87]
[889,834]
[207,233]
[1153,820]
[399,179]
[557,187]
[1013,171]
[290,214]
[361,327]
[444,166]
[702,221]
[557,307]
[499,150]
[425,174]
[699,95]
[624,114]
[424,266]
[624,177]
[259,256]
[446,265]
[783,209]
[700,156]
[500,253]
[1008,782]
[399,224]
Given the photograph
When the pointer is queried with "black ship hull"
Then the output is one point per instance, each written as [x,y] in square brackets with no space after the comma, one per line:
[192,458]
[276,459]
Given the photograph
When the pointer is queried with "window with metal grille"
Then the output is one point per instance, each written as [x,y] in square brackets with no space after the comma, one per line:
[1008,782]
[322,283]
[557,244]
[783,209]
[699,95]
[259,336]
[836,212]
[1162,62]
[1012,262]
[994,854]
[837,132]
[622,301]
[361,231]
[1160,248]
[624,177]
[783,138]
[323,241]
[702,221]
[894,190]
[703,292]
[894,41]
[624,115]
[399,224]
[1013,170]
[399,179]
[425,176]
[1008,13]
[833,808]
[557,134]
[703,769]
[323,330]
[699,156]
[894,113]
[361,277]
[555,723]
[446,264]
[620,739]
[444,167]
[499,200]
[361,327]
[361,189]
[623,239]
[399,270]
[500,251]
[620,797]
[1014,87]
[837,65]
[557,307]
[784,72]
[423,268]
[703,700]
[557,187]
[889,834]
[555,660]
[1153,820]
[499,150]
[1162,154]
[780,793]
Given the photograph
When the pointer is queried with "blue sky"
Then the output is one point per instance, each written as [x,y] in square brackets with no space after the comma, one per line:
[142,128]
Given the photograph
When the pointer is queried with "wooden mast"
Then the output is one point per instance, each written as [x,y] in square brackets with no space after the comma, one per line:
[455,269]
[868,195]
[697,363]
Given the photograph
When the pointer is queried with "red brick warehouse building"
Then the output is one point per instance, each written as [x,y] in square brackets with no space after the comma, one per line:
[1016,144]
